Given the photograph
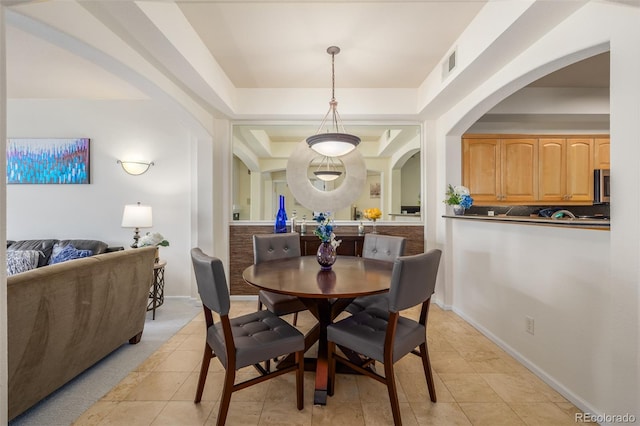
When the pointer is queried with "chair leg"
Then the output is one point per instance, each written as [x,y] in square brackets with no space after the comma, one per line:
[259,304]
[204,369]
[331,346]
[295,318]
[300,379]
[426,365]
[393,393]
[225,398]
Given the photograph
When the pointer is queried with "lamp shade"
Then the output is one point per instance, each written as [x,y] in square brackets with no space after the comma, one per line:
[327,175]
[333,144]
[135,168]
[137,216]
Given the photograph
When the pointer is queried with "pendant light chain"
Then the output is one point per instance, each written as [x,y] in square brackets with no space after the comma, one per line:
[333,76]
[335,142]
[334,103]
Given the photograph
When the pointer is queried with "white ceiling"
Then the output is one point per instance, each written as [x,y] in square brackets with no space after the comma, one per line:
[262,44]
[258,44]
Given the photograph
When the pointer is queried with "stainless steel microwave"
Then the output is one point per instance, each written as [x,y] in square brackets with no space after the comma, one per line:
[601,186]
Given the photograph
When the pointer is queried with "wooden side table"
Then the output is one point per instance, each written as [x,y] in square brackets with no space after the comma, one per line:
[156,292]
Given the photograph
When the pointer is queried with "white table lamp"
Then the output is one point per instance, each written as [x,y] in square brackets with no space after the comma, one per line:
[137,216]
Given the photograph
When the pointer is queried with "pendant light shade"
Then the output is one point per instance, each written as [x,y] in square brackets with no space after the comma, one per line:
[329,172]
[335,142]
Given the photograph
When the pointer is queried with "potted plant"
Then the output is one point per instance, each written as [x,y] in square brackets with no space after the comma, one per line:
[327,251]
[458,197]
[153,239]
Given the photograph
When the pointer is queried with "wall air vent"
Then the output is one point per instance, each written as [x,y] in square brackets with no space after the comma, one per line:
[449,64]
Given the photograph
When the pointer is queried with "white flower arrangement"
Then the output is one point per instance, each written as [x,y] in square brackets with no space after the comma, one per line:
[458,195]
[152,239]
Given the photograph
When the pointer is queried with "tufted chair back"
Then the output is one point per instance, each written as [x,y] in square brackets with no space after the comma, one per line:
[383,247]
[413,279]
[268,247]
[211,281]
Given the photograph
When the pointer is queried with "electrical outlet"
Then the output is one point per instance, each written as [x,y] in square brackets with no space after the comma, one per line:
[529,325]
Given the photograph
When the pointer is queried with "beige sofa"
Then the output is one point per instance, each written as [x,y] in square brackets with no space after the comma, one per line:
[64,318]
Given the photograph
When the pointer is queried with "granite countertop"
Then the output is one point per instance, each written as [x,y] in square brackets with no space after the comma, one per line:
[587,223]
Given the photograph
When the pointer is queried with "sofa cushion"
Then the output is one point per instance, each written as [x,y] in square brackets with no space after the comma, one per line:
[22,261]
[43,246]
[96,246]
[69,252]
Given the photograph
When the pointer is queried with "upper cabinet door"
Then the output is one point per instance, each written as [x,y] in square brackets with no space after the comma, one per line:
[481,169]
[580,169]
[552,185]
[601,153]
[532,169]
[519,170]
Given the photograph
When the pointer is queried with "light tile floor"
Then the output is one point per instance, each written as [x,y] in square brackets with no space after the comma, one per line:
[477,383]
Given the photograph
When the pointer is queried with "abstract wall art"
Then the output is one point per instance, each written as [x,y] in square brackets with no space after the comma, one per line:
[48,161]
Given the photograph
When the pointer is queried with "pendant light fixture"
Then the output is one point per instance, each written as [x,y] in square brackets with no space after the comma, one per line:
[330,172]
[336,142]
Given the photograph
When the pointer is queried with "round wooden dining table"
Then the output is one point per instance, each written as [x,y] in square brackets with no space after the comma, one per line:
[325,293]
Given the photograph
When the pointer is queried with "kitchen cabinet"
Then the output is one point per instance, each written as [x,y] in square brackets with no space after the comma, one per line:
[519,170]
[481,171]
[601,153]
[565,170]
[501,170]
[532,169]
[580,170]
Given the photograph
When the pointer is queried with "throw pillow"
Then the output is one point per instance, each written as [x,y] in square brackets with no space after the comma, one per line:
[22,261]
[69,252]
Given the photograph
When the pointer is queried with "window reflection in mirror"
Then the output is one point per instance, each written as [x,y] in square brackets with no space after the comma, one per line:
[260,154]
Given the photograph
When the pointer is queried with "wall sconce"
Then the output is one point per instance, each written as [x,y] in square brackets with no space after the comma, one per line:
[137,216]
[135,168]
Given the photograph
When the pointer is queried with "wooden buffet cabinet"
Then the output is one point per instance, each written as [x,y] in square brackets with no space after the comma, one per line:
[532,169]
[351,244]
[241,246]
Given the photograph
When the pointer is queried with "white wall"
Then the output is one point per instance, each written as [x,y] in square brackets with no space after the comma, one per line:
[558,276]
[118,130]
[580,286]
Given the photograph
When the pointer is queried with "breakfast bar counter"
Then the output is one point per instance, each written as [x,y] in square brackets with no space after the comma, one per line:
[582,223]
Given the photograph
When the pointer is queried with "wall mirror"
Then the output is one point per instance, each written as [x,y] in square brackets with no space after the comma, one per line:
[391,155]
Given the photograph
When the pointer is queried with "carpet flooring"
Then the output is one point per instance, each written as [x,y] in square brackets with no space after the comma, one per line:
[65,405]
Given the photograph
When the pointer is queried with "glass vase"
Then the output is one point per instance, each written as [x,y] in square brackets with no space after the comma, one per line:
[281,218]
[374,230]
[326,255]
[458,210]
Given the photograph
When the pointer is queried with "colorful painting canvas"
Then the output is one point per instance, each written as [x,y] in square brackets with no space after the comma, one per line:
[48,161]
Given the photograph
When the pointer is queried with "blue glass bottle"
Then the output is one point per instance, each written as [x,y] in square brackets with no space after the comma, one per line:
[281,218]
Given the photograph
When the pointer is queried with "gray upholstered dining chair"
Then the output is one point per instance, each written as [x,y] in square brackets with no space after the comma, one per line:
[384,335]
[242,341]
[267,247]
[381,247]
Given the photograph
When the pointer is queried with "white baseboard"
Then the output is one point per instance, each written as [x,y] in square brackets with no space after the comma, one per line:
[442,305]
[574,399]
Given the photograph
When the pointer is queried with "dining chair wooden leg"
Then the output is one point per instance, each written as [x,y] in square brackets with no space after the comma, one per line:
[295,318]
[393,392]
[300,379]
[225,398]
[331,360]
[204,369]
[426,365]
[259,304]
